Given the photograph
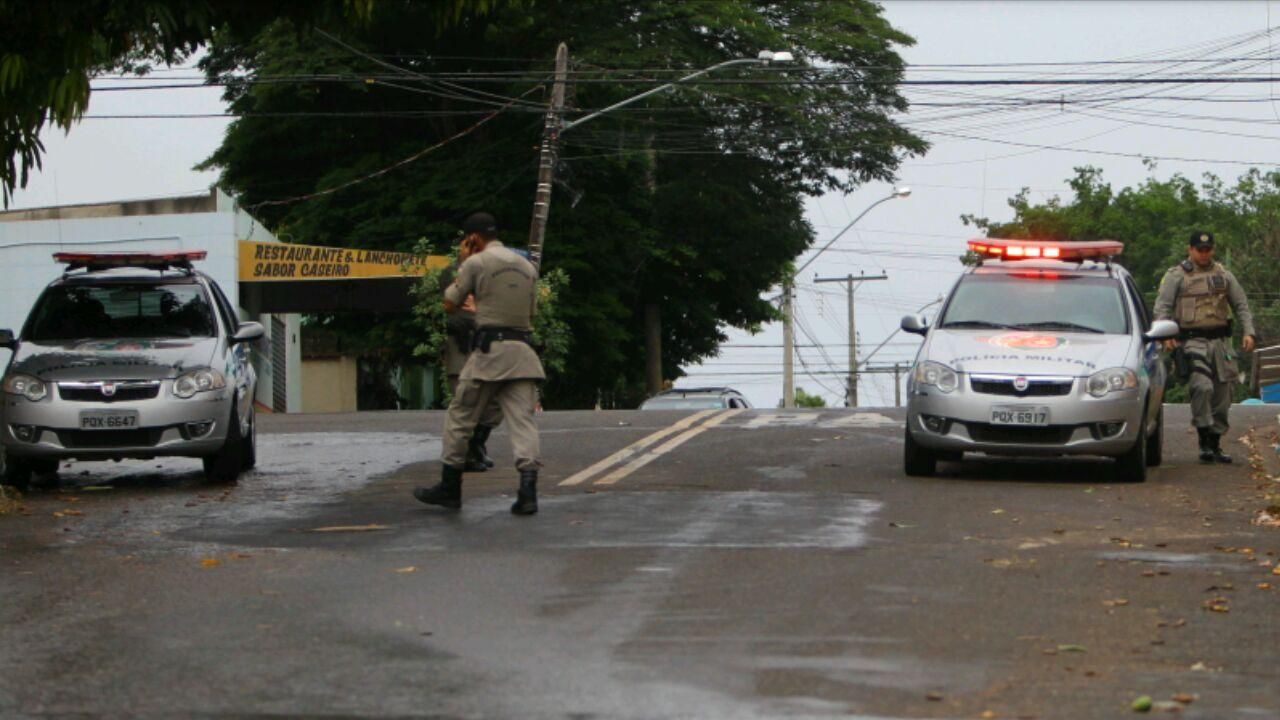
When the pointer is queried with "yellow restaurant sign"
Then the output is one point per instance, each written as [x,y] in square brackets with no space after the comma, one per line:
[269,261]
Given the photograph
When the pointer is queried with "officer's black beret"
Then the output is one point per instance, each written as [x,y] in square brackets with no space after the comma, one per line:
[1201,239]
[481,222]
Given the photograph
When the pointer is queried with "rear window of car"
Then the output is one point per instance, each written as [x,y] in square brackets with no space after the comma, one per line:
[1038,301]
[74,312]
[682,403]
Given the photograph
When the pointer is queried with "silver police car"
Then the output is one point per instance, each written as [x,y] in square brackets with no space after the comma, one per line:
[129,355]
[1041,349]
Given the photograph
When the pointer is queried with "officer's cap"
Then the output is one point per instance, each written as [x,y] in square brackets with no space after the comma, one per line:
[1201,239]
[481,222]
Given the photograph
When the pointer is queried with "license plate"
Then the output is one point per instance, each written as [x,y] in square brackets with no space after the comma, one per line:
[108,419]
[1019,415]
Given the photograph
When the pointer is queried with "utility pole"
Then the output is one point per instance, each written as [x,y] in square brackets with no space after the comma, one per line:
[788,348]
[850,282]
[548,158]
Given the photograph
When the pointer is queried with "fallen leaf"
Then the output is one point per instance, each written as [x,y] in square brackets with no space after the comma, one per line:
[1118,602]
[408,569]
[987,714]
[349,528]
[210,562]
[934,697]
[997,511]
[1142,703]
[96,488]
[1071,648]
[1264,586]
[1184,698]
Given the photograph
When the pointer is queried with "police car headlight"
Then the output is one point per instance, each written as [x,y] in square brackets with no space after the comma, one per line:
[28,386]
[937,375]
[1112,380]
[198,381]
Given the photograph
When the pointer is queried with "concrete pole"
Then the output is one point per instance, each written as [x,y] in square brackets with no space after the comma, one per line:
[548,157]
[788,347]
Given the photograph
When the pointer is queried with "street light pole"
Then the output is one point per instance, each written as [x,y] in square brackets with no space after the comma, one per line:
[851,394]
[788,308]
[554,129]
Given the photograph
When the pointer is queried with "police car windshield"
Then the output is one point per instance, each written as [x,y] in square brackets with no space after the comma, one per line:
[75,312]
[1071,304]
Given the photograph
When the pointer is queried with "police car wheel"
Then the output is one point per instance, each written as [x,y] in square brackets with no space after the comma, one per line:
[1155,441]
[1131,467]
[224,466]
[17,473]
[917,461]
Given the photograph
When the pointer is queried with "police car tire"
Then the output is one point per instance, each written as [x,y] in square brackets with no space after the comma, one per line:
[1131,467]
[917,461]
[249,449]
[17,473]
[1155,442]
[224,466]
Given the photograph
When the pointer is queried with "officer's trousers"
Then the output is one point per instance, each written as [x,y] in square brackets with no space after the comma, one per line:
[516,399]
[1212,375]
[491,416]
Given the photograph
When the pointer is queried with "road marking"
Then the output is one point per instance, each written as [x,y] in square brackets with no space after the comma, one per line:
[665,448]
[634,448]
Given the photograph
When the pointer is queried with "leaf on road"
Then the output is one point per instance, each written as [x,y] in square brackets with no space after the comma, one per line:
[408,569]
[1118,602]
[1142,703]
[1072,648]
[1218,604]
[998,511]
[96,488]
[210,562]
[349,528]
[1184,698]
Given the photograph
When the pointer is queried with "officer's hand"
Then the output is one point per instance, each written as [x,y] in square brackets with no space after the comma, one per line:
[1171,344]
[1247,343]
[469,304]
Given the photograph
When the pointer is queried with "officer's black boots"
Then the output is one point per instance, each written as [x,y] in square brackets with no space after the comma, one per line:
[1215,447]
[1206,445]
[527,496]
[477,454]
[446,493]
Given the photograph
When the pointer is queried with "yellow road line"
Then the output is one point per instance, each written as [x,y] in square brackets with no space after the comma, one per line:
[634,448]
[665,448]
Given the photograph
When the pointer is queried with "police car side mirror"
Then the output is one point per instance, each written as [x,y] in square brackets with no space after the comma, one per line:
[1162,330]
[7,340]
[248,331]
[915,324]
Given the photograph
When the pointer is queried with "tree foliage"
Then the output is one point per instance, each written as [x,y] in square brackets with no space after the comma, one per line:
[691,200]
[805,400]
[1154,220]
[52,50]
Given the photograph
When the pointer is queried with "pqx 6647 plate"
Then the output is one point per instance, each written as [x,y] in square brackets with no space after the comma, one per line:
[1019,415]
[108,419]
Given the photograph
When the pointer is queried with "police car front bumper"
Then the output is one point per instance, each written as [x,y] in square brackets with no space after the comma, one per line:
[52,428]
[1077,423]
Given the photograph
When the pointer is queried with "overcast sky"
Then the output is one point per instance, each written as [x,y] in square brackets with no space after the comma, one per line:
[983,152]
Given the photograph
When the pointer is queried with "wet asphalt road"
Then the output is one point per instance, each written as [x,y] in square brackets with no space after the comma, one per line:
[759,564]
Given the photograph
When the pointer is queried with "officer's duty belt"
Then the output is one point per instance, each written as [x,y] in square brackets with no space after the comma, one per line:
[486,336]
[1208,334]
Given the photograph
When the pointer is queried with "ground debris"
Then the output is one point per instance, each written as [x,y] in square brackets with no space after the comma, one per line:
[372,527]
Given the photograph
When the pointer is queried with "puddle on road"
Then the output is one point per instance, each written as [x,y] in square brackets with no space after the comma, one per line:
[294,471]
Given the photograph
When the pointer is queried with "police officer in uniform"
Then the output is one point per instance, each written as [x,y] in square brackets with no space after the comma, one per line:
[460,328]
[503,366]
[1198,293]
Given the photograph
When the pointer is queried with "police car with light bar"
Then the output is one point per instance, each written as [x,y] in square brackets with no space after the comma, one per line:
[1041,349]
[129,355]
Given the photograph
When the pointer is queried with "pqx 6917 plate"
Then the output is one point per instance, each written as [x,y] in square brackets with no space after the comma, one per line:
[108,419]
[1019,415]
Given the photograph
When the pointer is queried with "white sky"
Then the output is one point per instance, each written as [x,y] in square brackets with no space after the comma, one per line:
[117,159]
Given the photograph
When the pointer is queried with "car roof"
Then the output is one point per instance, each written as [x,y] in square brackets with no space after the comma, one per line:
[1088,268]
[697,391]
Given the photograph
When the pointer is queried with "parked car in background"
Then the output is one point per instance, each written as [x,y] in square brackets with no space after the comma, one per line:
[696,399]
[129,355]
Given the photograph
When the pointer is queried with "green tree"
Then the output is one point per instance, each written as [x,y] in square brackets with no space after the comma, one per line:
[53,49]
[691,202]
[805,400]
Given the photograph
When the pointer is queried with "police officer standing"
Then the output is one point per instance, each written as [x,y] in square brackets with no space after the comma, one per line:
[460,329]
[1197,293]
[503,366]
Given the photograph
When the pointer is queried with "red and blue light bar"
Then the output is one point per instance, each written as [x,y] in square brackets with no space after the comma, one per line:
[1003,249]
[150,260]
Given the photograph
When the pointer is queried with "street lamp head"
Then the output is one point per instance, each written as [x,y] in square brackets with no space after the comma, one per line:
[769,56]
[902,192]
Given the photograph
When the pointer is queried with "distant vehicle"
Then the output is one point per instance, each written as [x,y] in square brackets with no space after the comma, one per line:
[696,399]
[1042,348]
[129,355]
